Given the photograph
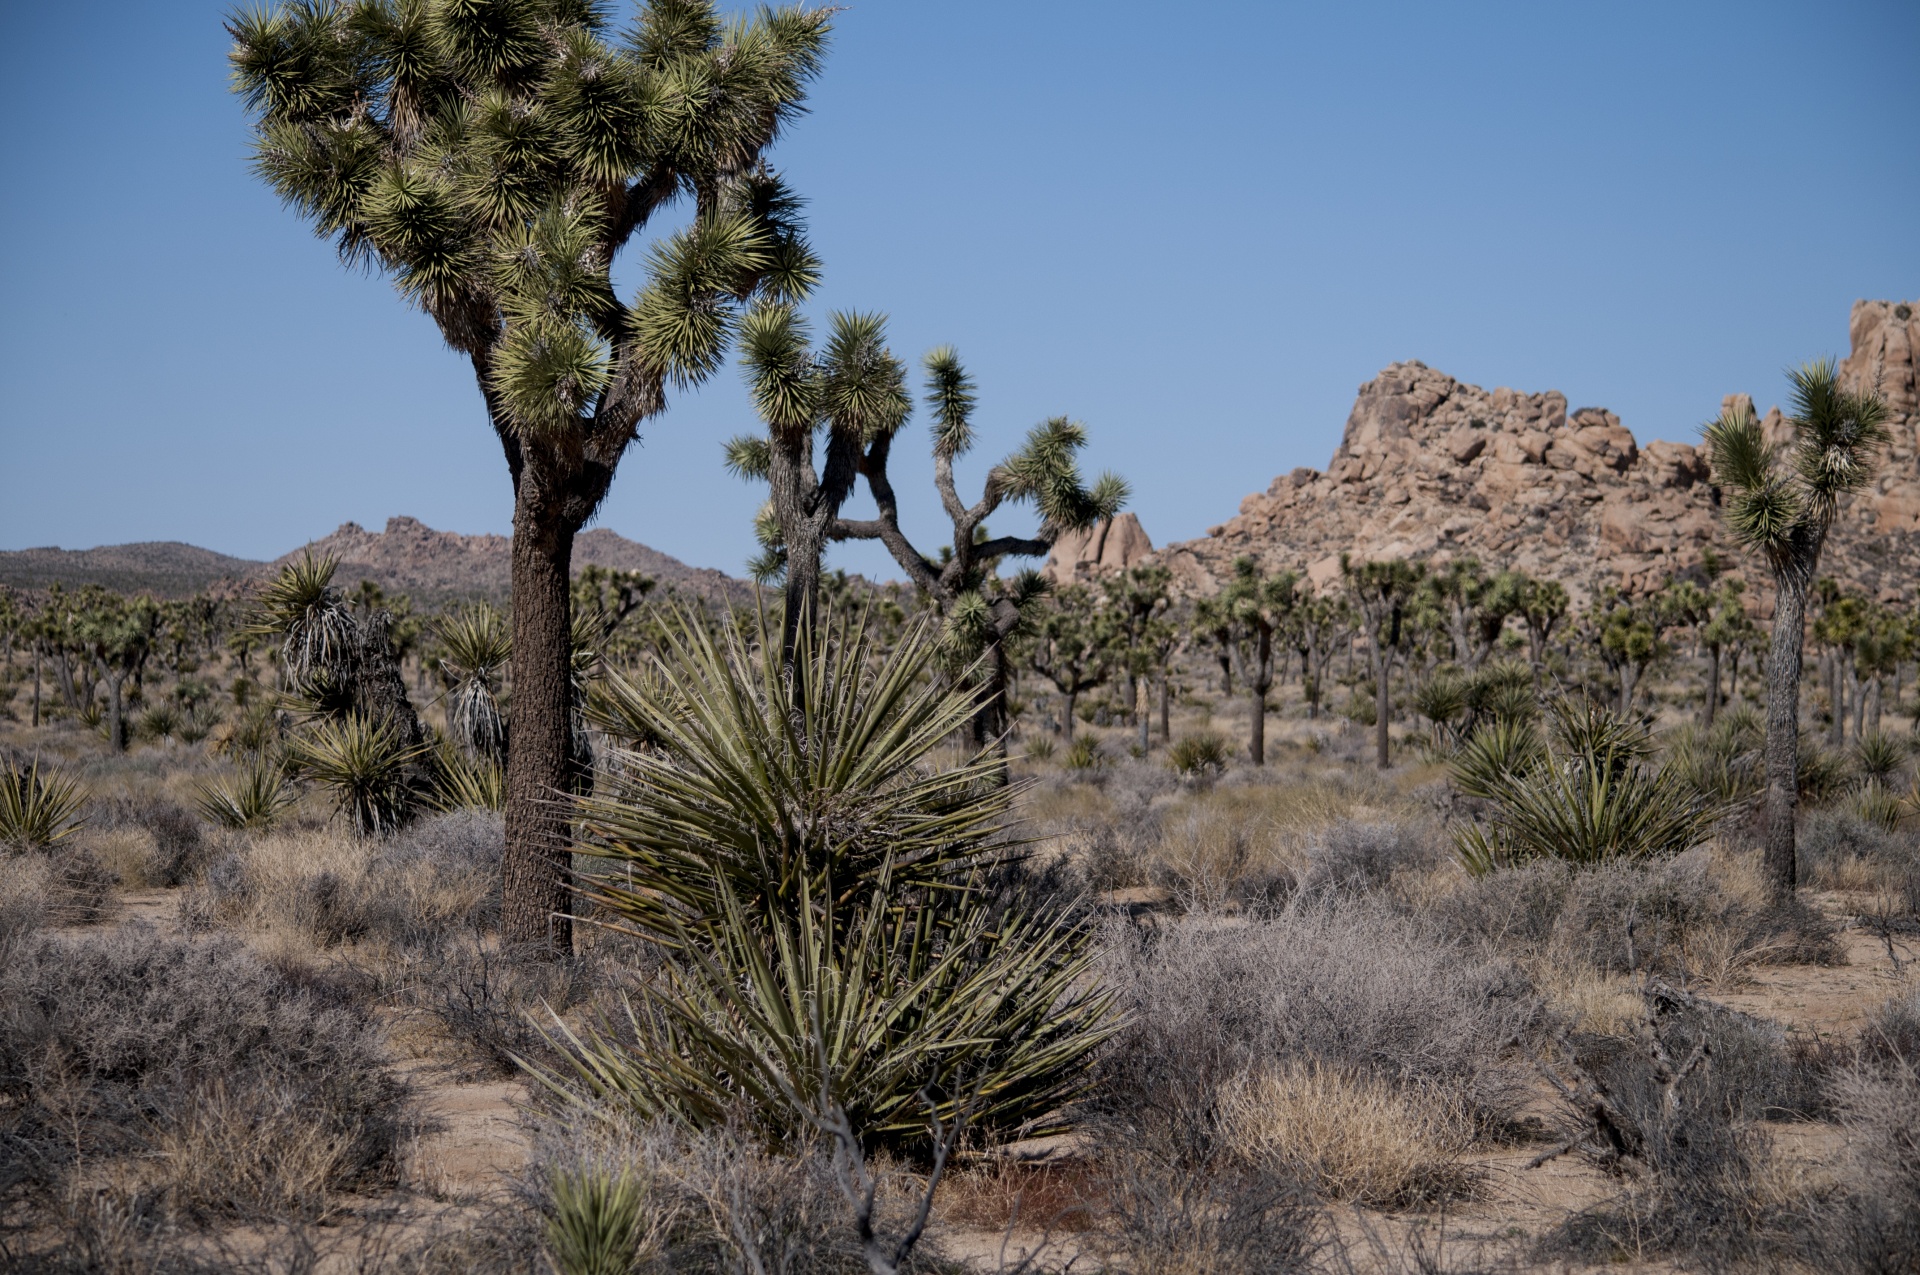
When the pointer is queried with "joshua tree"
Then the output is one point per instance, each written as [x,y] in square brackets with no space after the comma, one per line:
[1780,502]
[1629,640]
[1140,597]
[1073,647]
[118,635]
[1321,624]
[857,390]
[495,158]
[1259,605]
[1381,593]
[983,612]
[1543,604]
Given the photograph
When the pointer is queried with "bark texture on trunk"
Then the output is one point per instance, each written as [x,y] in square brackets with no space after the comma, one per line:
[1713,683]
[1257,725]
[1382,708]
[1783,736]
[116,712]
[537,875]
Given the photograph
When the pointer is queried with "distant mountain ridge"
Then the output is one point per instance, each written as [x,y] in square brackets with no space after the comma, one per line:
[407,556]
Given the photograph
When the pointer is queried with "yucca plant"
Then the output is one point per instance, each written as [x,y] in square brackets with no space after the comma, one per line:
[598,1223]
[476,647]
[822,889]
[158,723]
[38,808]
[461,782]
[870,1004]
[252,800]
[301,610]
[1084,754]
[1722,762]
[1590,795]
[1879,758]
[367,766]
[1199,755]
[732,770]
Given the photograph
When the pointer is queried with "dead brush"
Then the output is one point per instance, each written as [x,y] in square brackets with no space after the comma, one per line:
[1352,1137]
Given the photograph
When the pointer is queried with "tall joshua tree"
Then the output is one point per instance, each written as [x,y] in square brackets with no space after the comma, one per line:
[1382,592]
[495,157]
[856,389]
[983,612]
[1260,607]
[1780,503]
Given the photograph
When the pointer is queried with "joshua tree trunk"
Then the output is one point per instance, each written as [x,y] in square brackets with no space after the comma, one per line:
[1783,735]
[36,685]
[1836,702]
[1072,698]
[537,875]
[1257,723]
[1873,704]
[1713,683]
[1145,714]
[1382,703]
[116,709]
[1166,733]
[1626,689]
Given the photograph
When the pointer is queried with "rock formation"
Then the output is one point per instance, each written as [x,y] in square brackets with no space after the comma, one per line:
[1111,545]
[1431,467]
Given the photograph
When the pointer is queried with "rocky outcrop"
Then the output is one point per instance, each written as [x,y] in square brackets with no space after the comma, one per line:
[1431,467]
[413,558]
[1112,545]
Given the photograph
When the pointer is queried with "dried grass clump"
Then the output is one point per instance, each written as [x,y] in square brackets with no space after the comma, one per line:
[195,1079]
[1351,1137]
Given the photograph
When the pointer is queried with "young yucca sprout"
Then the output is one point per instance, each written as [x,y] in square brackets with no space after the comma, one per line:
[598,1223]
[38,808]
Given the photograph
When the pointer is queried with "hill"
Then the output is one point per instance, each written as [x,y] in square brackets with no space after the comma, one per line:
[408,556]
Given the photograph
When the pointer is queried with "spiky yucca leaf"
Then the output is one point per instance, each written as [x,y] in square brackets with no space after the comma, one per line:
[871,1002]
[477,646]
[464,782]
[365,764]
[1591,796]
[302,610]
[252,801]
[598,1224]
[726,772]
[38,808]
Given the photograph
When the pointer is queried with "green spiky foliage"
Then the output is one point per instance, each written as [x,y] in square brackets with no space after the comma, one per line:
[1780,499]
[1588,794]
[116,635]
[1722,761]
[985,612]
[597,1223]
[39,807]
[310,619]
[499,160]
[365,764]
[853,389]
[475,646]
[822,888]
[1628,632]
[251,801]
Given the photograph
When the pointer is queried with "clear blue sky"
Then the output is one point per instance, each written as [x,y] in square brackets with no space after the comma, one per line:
[1198,228]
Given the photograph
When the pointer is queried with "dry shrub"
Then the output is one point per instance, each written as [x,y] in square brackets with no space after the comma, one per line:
[1004,1192]
[1214,1219]
[153,840]
[177,1057]
[435,881]
[1351,984]
[1351,1137]
[1690,916]
[1353,855]
[26,885]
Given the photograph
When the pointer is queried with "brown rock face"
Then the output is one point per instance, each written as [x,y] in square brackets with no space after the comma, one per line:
[1434,468]
[1113,545]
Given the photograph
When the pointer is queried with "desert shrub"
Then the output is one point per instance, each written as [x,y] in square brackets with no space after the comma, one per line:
[1350,1137]
[1355,987]
[1200,755]
[1890,1038]
[1671,916]
[233,1090]
[1841,849]
[1723,763]
[1109,857]
[1873,803]
[1040,748]
[179,846]
[1589,794]
[1171,1216]
[158,723]
[1671,1112]
[39,807]
[1354,855]
[1873,1226]
[1822,776]
[26,884]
